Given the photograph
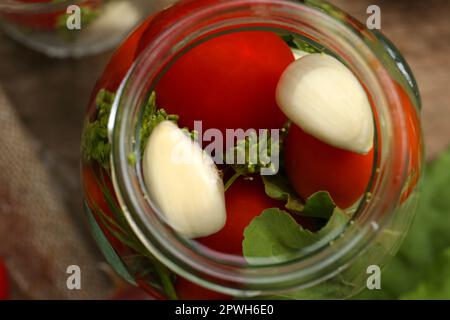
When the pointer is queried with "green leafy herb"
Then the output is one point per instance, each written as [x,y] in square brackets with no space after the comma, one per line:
[96,148]
[278,187]
[118,227]
[436,285]
[108,251]
[131,159]
[151,117]
[318,205]
[275,236]
[251,150]
[94,142]
[427,239]
[301,43]
[252,154]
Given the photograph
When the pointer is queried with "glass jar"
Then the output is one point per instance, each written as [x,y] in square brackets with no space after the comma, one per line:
[140,244]
[51,26]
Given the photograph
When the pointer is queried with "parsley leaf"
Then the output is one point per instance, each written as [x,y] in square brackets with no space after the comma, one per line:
[275,236]
[318,205]
[278,187]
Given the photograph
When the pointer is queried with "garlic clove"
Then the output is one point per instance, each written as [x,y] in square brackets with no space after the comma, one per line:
[323,97]
[183,182]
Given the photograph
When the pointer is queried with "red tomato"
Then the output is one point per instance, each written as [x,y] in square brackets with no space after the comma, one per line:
[187,290]
[125,55]
[166,18]
[415,147]
[228,82]
[4,284]
[245,200]
[313,166]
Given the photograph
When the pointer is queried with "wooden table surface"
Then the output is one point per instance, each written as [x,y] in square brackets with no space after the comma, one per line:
[51,95]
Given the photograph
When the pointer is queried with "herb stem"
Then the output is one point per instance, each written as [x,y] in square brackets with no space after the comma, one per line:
[232,180]
[166,281]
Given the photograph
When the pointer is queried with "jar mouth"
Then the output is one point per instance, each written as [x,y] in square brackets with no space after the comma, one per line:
[15,6]
[222,272]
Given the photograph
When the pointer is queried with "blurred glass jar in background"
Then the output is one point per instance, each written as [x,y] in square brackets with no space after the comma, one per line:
[50,26]
[146,251]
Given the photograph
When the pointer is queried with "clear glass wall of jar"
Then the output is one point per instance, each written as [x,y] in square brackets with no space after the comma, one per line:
[335,267]
[52,27]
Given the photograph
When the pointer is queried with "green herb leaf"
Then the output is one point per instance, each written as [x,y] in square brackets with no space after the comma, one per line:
[249,154]
[110,254]
[276,236]
[253,153]
[95,145]
[94,142]
[151,117]
[303,44]
[96,148]
[319,205]
[306,46]
[278,187]
[436,285]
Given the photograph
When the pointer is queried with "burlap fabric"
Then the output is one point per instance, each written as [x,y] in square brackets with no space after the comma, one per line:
[38,237]
[42,225]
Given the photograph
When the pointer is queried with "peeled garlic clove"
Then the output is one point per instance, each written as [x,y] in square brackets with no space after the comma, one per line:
[183,182]
[323,97]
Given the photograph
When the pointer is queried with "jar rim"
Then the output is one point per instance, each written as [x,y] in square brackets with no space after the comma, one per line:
[323,264]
